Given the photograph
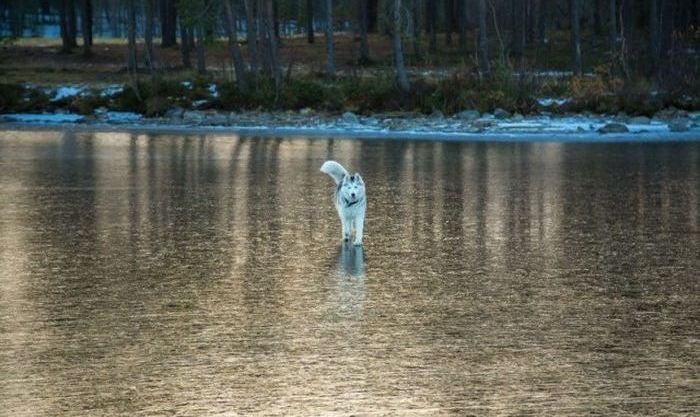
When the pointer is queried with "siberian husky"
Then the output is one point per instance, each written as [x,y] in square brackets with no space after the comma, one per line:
[350,200]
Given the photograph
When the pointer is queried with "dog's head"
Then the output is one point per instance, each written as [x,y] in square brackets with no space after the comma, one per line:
[352,188]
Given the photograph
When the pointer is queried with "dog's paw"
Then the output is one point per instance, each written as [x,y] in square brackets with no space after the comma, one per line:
[357,243]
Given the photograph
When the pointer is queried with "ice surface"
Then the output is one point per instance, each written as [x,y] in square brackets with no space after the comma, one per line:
[121,117]
[49,118]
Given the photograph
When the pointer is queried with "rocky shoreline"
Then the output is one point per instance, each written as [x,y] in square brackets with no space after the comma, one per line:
[467,125]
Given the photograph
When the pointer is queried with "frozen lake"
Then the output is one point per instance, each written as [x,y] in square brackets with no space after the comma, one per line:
[204,275]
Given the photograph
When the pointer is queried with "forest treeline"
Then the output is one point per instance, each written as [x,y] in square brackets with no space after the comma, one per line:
[654,40]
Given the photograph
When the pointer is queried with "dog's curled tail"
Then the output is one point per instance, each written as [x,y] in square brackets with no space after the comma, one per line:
[335,170]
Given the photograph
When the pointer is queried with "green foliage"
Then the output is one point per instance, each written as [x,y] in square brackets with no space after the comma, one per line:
[35,99]
[87,103]
[130,99]
[153,97]
[303,93]
[464,91]
[229,96]
[10,97]
[368,95]
[157,106]
[262,94]
[365,61]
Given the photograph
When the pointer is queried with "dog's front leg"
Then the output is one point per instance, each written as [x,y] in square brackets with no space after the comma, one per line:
[359,223]
[345,223]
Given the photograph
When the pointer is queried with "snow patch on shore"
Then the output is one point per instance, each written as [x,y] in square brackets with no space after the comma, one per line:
[67,92]
[550,101]
[111,91]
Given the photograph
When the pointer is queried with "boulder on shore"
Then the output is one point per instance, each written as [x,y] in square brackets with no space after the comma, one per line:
[614,128]
[468,115]
[678,126]
[501,114]
[350,117]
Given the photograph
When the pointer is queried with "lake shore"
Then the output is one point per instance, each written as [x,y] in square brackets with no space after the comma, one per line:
[465,126]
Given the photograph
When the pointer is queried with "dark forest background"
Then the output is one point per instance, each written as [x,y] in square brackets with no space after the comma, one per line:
[609,55]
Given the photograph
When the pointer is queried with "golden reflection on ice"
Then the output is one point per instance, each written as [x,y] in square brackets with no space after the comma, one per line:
[200,275]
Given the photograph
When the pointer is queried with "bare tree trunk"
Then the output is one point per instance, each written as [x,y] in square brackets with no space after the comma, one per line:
[236,56]
[364,44]
[87,27]
[415,14]
[612,25]
[431,25]
[273,51]
[263,43]
[654,40]
[185,45]
[623,32]
[667,26]
[148,56]
[627,17]
[449,13]
[401,75]
[63,22]
[542,22]
[597,20]
[574,12]
[251,35]
[522,33]
[199,47]
[330,52]
[15,13]
[276,20]
[462,24]
[310,21]
[168,23]
[483,41]
[518,10]
[72,24]
[131,54]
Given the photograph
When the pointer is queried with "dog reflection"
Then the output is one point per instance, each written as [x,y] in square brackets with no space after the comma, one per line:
[351,261]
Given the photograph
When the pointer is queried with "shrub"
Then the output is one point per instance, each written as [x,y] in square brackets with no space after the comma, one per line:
[86,103]
[156,106]
[302,93]
[152,97]
[131,99]
[35,99]
[10,97]
[593,94]
[376,94]
[229,96]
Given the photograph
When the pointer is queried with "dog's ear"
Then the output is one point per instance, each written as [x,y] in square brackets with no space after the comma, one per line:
[358,177]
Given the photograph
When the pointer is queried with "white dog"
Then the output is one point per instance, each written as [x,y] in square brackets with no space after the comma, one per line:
[350,199]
